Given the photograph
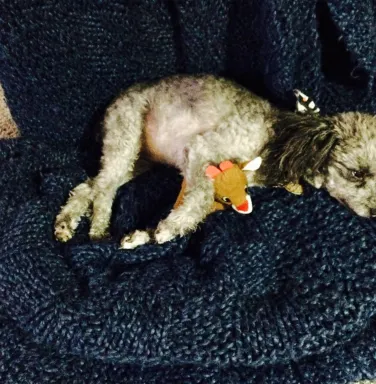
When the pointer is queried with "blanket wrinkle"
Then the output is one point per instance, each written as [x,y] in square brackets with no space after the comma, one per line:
[285,295]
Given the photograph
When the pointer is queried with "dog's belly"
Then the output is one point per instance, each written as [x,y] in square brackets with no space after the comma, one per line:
[180,109]
[166,136]
[176,114]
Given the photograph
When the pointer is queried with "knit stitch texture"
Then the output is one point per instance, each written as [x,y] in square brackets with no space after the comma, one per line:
[285,295]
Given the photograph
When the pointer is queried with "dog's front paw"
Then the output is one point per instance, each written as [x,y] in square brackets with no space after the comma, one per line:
[163,234]
[173,226]
[134,240]
[64,231]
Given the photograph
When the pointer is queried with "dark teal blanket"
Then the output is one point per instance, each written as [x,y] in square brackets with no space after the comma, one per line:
[285,295]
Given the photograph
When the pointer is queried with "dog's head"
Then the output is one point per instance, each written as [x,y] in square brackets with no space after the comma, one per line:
[336,153]
[351,167]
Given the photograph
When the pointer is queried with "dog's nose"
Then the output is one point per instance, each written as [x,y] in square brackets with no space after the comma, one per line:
[373,212]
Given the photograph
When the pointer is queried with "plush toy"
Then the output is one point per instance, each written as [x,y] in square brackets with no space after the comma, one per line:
[305,104]
[230,186]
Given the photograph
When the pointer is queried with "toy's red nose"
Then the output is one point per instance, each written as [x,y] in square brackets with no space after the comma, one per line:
[243,207]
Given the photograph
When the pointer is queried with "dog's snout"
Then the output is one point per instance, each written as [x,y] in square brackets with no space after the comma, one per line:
[373,212]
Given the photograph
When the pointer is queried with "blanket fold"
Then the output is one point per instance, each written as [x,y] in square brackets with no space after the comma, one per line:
[243,292]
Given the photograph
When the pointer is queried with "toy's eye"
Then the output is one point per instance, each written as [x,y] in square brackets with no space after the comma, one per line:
[246,189]
[226,199]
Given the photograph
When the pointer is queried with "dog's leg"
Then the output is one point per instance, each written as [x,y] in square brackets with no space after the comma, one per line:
[197,204]
[77,205]
[121,147]
[195,200]
[198,199]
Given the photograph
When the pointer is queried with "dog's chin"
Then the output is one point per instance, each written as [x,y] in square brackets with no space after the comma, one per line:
[358,211]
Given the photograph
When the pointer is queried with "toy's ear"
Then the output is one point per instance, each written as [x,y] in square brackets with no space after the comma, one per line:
[212,172]
[225,165]
[252,165]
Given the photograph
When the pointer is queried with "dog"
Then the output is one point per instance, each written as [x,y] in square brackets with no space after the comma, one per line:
[192,121]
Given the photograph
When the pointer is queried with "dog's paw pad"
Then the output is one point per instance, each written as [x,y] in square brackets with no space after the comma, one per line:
[63,231]
[134,240]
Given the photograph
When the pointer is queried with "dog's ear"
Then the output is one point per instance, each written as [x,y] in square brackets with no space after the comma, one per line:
[301,147]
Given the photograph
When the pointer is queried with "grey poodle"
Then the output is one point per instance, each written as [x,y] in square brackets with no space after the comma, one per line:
[192,121]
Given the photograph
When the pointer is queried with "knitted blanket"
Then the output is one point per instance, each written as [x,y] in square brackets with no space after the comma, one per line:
[285,295]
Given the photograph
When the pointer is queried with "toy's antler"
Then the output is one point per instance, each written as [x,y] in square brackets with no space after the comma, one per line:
[225,165]
[212,171]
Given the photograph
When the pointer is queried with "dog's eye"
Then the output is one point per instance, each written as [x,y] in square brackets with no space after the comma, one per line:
[359,175]
[226,199]
[246,189]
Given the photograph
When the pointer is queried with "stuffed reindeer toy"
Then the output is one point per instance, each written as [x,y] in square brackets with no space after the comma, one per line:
[230,186]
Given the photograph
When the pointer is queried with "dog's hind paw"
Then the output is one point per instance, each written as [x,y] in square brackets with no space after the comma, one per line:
[63,231]
[134,240]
